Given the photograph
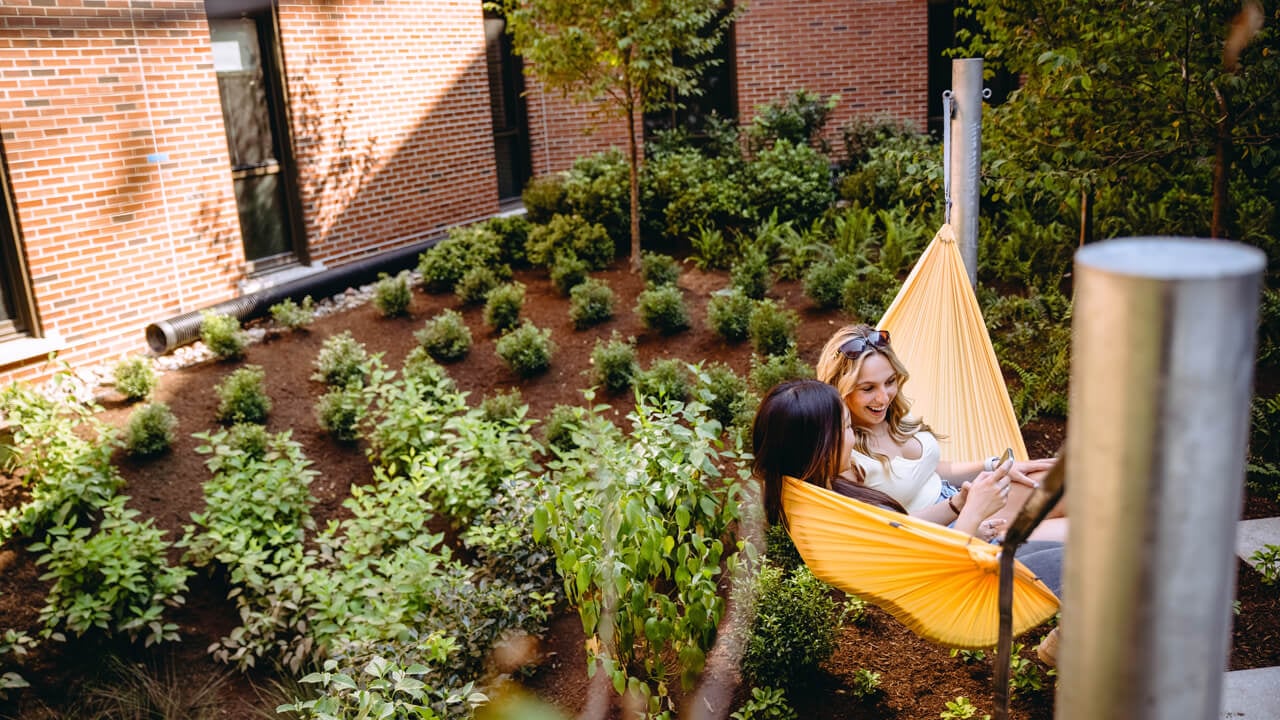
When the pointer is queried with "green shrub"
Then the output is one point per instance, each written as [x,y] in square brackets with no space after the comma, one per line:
[750,274]
[294,316]
[544,198]
[339,411]
[341,362]
[443,265]
[868,293]
[391,295]
[476,283]
[248,438]
[794,630]
[503,405]
[615,363]
[711,251]
[906,168]
[824,282]
[862,133]
[798,118]
[222,335]
[117,579]
[684,190]
[591,303]
[792,179]
[1032,338]
[428,375]
[728,311]
[665,379]
[658,269]
[765,704]
[865,683]
[725,395]
[445,337]
[559,426]
[780,550]
[502,306]
[527,350]
[242,396]
[598,188]
[567,273]
[772,328]
[150,430]
[134,378]
[513,231]
[570,233]
[773,369]
[662,308]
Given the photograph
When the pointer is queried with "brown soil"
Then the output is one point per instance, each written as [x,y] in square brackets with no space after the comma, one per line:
[916,677]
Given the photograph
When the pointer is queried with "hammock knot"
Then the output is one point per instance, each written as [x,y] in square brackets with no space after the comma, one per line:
[946,234]
[985,556]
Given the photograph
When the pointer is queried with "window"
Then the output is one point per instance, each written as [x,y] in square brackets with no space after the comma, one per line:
[17,316]
[507,105]
[718,97]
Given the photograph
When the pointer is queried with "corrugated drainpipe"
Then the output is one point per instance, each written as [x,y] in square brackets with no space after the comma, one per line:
[166,335]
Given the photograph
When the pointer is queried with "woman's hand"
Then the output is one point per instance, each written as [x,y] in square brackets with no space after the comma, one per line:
[984,495]
[1027,472]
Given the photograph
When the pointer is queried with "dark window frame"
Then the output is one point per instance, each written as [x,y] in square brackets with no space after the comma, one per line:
[25,323]
[275,74]
[673,117]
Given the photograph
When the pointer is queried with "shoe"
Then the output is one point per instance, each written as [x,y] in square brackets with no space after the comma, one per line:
[1047,650]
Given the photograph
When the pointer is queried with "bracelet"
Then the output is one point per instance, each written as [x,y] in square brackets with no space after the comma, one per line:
[951,504]
[990,463]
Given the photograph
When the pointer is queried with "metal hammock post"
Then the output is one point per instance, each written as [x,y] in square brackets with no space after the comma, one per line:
[962,121]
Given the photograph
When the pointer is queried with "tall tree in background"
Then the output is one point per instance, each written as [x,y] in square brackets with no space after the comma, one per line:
[626,55]
[1162,110]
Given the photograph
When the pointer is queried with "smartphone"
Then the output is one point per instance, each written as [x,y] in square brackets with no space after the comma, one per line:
[1005,457]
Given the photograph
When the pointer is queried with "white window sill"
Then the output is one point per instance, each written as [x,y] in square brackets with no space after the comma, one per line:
[281,276]
[15,351]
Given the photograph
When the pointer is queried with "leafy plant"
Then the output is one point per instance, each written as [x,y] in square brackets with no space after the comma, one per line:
[766,703]
[116,579]
[242,396]
[590,303]
[771,370]
[868,292]
[865,683]
[772,328]
[502,306]
[19,644]
[445,337]
[544,197]
[251,439]
[134,378]
[728,314]
[791,179]
[527,350]
[615,363]
[750,274]
[1024,675]
[570,235]
[662,308]
[339,412]
[960,709]
[658,269]
[665,379]
[341,362]
[798,118]
[444,264]
[560,424]
[222,335]
[824,282]
[1267,562]
[969,657]
[150,430]
[293,316]
[381,689]
[503,405]
[711,251]
[725,395]
[794,629]
[391,295]
[474,286]
[567,272]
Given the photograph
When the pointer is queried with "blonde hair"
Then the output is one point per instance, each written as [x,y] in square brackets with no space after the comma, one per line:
[835,369]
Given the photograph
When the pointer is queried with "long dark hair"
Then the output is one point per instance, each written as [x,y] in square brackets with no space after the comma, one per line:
[797,432]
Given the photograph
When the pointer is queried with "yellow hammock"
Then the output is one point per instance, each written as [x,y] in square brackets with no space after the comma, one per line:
[938,332]
[942,584]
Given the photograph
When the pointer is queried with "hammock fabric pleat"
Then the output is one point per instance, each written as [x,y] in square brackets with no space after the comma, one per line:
[940,583]
[956,385]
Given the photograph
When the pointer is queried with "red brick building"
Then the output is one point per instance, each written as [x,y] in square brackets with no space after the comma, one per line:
[160,156]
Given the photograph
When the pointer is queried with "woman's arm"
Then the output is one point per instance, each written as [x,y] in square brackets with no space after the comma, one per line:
[986,494]
[1023,472]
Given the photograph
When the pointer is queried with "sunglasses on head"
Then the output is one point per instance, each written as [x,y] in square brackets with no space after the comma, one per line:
[855,347]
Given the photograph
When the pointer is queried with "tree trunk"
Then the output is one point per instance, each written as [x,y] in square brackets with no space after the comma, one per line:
[633,158]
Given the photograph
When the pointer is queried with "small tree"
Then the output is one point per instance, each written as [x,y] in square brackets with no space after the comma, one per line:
[629,55]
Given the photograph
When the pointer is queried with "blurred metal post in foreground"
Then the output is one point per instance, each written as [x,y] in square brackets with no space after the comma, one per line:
[966,157]
[1161,377]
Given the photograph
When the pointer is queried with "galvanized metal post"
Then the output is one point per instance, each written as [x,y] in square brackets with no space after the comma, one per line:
[1161,377]
[965,160]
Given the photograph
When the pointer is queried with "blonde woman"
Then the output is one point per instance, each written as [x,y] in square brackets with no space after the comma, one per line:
[898,454]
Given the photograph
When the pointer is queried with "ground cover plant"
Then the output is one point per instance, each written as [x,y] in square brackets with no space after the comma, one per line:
[372,526]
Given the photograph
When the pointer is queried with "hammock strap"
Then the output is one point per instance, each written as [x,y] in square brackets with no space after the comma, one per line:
[947,109]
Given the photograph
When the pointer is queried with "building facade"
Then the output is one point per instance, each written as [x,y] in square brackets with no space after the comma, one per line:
[161,156]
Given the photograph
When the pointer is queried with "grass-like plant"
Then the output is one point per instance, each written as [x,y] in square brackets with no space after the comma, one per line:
[659,269]
[527,350]
[615,363]
[728,311]
[502,306]
[134,378]
[341,362]
[663,309]
[591,303]
[446,337]
[772,328]
[665,379]
[242,396]
[294,316]
[392,295]
[150,430]
[222,334]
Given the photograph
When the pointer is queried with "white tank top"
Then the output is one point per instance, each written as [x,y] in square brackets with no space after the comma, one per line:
[914,483]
